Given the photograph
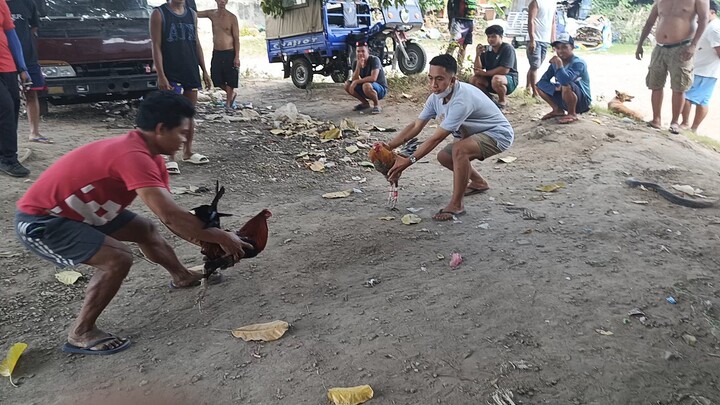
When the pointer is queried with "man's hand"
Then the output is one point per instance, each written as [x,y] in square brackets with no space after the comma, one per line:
[234,246]
[401,163]
[555,60]
[531,46]
[354,84]
[478,72]
[639,52]
[163,83]
[361,63]
[26,81]
[480,49]
[207,81]
[236,62]
[688,53]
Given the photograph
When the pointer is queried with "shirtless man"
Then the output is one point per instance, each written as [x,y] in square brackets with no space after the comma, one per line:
[226,50]
[677,38]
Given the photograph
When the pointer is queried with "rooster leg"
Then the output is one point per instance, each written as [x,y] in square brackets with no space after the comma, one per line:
[390,196]
[393,196]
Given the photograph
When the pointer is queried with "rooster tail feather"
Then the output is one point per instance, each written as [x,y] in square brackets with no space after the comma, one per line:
[218,194]
[410,147]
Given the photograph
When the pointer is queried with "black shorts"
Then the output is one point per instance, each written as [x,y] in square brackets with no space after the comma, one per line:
[65,242]
[223,70]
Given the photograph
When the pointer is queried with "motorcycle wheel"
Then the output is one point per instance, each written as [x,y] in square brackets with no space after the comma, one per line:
[339,77]
[301,73]
[415,62]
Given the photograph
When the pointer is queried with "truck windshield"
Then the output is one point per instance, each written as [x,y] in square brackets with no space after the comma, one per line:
[93,8]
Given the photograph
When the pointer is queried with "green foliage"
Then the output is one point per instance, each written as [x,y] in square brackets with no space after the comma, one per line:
[431,5]
[626,17]
[500,6]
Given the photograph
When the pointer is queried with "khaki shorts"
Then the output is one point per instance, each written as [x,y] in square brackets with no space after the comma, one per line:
[488,146]
[664,60]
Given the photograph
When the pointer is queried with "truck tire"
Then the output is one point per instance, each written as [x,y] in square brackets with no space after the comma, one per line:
[515,43]
[415,62]
[301,73]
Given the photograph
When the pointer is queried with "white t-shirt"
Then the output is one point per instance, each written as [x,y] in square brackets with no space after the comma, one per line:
[707,62]
[469,112]
[544,20]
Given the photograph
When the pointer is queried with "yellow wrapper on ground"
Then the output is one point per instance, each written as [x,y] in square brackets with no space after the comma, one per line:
[265,332]
[350,396]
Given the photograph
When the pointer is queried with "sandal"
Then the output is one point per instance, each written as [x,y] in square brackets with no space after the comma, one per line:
[569,119]
[197,159]
[551,115]
[361,107]
[42,139]
[172,167]
[376,110]
[443,216]
[472,191]
[674,129]
[88,348]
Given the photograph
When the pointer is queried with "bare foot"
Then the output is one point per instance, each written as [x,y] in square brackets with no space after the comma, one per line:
[188,279]
[552,114]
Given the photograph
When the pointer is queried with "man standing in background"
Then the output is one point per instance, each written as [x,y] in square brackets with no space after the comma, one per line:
[25,17]
[707,70]
[541,30]
[677,39]
[226,50]
[461,18]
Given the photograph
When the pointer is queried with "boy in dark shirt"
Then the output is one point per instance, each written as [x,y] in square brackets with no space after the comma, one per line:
[495,66]
[368,81]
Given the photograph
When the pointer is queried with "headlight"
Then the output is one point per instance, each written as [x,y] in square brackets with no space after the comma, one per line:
[58,71]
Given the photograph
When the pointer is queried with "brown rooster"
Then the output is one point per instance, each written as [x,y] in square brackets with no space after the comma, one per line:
[254,232]
[383,158]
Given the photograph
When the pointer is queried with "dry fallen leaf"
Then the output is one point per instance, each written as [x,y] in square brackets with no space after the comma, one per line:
[367,164]
[641,202]
[8,364]
[551,187]
[317,166]
[386,218]
[277,131]
[410,219]
[351,149]
[68,277]
[333,133]
[265,332]
[604,332]
[407,96]
[350,396]
[597,121]
[507,159]
[8,255]
[337,194]
[686,189]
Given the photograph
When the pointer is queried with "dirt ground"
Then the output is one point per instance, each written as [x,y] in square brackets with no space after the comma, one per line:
[529,310]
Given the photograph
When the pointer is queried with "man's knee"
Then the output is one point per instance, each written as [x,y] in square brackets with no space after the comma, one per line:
[444,157]
[347,88]
[121,260]
[498,82]
[368,88]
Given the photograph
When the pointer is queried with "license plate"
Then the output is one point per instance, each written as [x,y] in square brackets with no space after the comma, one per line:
[55,90]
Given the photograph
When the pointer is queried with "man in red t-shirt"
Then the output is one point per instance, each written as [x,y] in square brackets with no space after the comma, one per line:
[12,61]
[76,213]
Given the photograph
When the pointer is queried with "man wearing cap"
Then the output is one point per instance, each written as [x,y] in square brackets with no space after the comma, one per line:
[707,71]
[495,69]
[677,39]
[566,84]
[368,81]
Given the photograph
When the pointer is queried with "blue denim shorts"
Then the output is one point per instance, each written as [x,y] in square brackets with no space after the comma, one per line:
[537,57]
[701,90]
[65,242]
[379,89]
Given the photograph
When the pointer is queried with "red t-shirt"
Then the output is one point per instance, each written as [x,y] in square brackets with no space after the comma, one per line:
[94,183]
[7,63]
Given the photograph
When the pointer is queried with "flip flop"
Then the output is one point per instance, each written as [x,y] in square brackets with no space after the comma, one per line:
[197,159]
[472,191]
[674,129]
[450,217]
[376,110]
[42,139]
[172,167]
[551,115]
[653,126]
[69,348]
[567,120]
[361,107]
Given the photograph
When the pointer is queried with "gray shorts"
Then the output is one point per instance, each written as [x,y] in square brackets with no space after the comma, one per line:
[65,242]
[537,57]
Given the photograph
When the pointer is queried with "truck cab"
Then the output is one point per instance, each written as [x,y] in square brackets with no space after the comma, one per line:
[95,50]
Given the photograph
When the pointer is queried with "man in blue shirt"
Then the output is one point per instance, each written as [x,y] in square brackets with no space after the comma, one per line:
[566,84]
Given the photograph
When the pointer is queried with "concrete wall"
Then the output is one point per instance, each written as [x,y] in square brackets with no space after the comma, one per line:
[247,11]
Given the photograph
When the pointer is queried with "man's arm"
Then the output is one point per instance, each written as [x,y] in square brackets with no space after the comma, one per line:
[646,31]
[409,132]
[532,14]
[156,38]
[702,8]
[568,74]
[236,40]
[507,61]
[205,13]
[374,72]
[184,223]
[554,27]
[402,163]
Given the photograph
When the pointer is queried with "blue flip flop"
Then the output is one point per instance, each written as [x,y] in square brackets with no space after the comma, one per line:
[68,348]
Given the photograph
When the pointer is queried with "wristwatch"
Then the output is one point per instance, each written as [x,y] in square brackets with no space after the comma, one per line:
[413,159]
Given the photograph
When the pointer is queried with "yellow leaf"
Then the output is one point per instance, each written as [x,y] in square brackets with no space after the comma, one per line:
[68,277]
[277,131]
[604,332]
[351,149]
[337,194]
[507,159]
[333,133]
[265,332]
[350,396]
[317,166]
[367,164]
[551,187]
[8,364]
[410,219]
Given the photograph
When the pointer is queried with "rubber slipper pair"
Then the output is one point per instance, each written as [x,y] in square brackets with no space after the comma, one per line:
[443,216]
[42,139]
[472,191]
[674,129]
[172,167]
[88,348]
[197,159]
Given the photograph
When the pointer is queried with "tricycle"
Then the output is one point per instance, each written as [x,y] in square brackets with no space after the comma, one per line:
[319,37]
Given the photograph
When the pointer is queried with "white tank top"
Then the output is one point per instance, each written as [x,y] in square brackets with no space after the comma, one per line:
[544,20]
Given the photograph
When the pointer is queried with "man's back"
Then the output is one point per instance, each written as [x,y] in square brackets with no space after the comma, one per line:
[676,20]
[544,20]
